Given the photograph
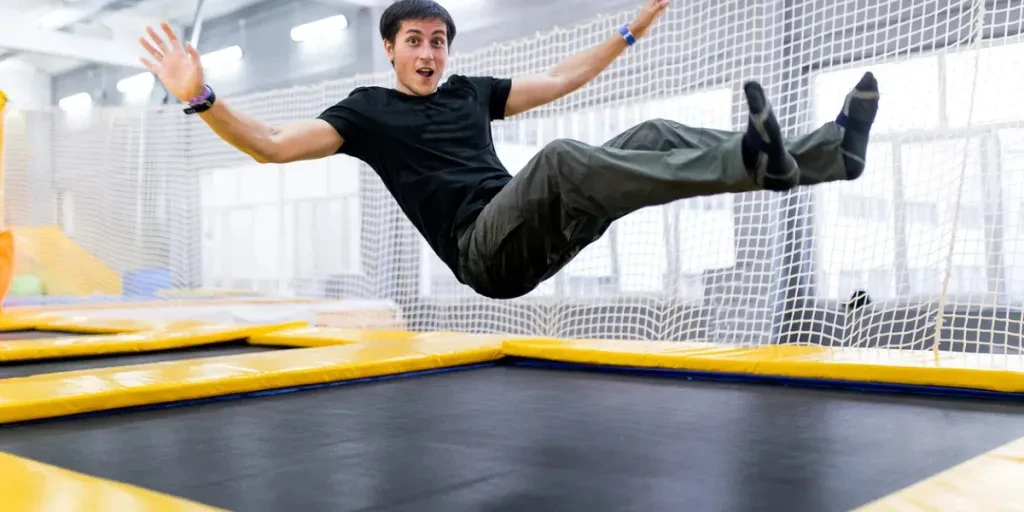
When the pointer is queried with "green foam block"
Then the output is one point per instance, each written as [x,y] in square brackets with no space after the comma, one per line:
[27,285]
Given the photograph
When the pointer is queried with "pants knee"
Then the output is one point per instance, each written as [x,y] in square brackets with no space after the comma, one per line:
[657,123]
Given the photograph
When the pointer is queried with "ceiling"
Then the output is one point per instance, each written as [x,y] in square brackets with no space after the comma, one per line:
[56,36]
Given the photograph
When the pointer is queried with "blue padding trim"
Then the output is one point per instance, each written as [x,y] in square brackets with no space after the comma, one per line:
[873,387]
[237,396]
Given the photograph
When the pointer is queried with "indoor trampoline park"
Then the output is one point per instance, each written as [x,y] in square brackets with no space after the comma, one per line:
[190,324]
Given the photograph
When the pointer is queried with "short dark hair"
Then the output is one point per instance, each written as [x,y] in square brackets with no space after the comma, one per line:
[402,10]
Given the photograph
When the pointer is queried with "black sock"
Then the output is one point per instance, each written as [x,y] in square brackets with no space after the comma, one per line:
[855,121]
[763,149]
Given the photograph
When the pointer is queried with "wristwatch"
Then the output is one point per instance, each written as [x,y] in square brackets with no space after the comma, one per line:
[202,102]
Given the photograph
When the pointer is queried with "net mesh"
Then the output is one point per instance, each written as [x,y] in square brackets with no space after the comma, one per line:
[931,232]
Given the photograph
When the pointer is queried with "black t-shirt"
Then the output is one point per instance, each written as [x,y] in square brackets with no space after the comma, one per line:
[434,153]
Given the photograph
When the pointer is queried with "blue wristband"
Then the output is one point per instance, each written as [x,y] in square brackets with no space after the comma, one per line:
[627,35]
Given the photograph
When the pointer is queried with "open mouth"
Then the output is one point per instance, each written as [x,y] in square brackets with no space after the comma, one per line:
[425,72]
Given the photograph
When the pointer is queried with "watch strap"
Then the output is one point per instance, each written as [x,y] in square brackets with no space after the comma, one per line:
[202,101]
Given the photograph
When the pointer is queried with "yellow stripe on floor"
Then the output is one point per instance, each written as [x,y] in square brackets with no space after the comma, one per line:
[991,482]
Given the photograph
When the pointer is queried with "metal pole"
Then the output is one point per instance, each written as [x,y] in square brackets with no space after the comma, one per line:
[197,24]
[197,28]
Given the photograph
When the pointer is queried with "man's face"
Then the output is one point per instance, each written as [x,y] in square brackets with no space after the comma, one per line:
[420,53]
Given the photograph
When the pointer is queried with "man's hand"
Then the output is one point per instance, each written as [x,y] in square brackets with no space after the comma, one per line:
[649,13]
[177,66]
[577,70]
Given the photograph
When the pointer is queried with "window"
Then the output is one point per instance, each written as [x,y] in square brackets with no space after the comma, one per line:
[927,186]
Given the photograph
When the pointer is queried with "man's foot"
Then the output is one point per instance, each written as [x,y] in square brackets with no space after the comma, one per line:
[854,122]
[764,151]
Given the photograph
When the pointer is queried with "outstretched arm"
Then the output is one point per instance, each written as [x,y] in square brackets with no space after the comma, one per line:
[178,67]
[290,142]
[532,91]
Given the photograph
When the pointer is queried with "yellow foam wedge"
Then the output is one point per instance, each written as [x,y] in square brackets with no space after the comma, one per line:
[60,394]
[991,482]
[957,370]
[64,266]
[28,485]
[180,336]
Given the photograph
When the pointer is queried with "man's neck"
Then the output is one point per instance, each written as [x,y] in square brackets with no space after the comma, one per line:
[400,87]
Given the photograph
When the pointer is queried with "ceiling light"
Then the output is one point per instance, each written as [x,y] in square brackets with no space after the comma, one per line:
[320,29]
[78,101]
[222,56]
[140,83]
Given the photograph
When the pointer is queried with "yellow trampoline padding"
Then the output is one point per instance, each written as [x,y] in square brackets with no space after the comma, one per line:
[82,324]
[20,321]
[28,485]
[61,394]
[182,336]
[99,325]
[990,482]
[905,367]
[329,336]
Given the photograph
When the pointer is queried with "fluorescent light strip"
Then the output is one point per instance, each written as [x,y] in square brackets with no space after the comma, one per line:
[136,84]
[320,29]
[80,101]
[222,56]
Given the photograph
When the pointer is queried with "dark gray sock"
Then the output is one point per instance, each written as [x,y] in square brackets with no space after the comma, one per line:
[763,149]
[855,121]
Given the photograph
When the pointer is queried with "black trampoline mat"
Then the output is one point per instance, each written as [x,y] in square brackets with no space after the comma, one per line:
[26,368]
[514,439]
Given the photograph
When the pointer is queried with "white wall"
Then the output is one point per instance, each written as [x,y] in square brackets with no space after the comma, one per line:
[265,226]
[26,87]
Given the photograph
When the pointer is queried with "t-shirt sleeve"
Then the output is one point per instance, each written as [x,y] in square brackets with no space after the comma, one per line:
[494,91]
[351,118]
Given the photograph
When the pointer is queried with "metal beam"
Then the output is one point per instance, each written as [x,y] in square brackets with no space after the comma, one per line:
[18,33]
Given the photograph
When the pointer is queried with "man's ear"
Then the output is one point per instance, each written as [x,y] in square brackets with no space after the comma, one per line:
[389,49]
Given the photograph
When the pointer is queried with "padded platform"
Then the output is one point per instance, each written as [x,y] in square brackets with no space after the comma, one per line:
[30,485]
[348,355]
[849,367]
[61,394]
[171,337]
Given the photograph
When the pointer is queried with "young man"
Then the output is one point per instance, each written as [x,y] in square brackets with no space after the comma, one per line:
[503,236]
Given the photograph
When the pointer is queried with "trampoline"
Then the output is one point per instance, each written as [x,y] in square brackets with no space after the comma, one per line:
[279,417]
[519,438]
